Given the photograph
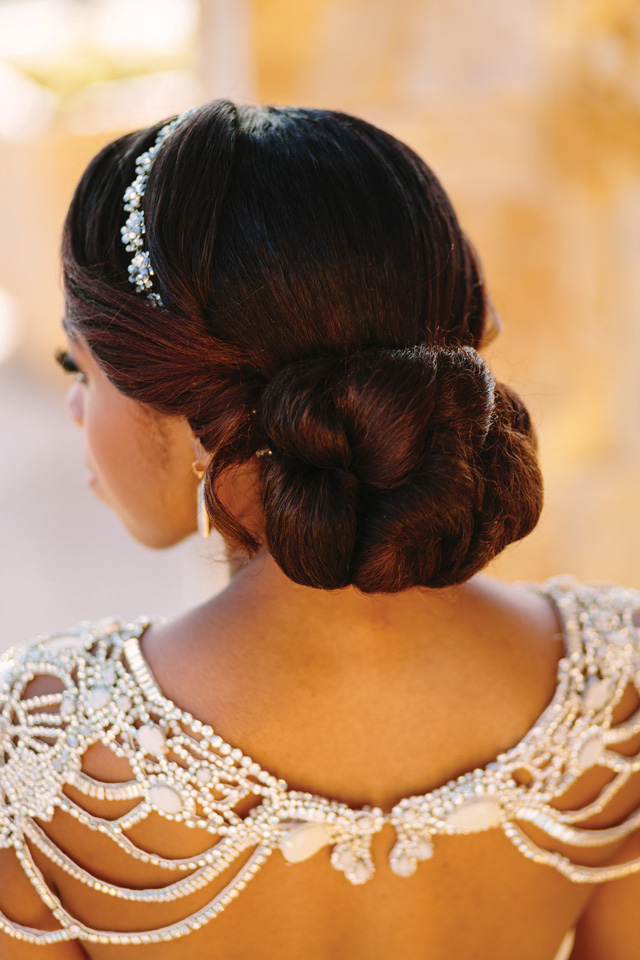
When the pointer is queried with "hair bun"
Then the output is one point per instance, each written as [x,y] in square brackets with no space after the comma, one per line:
[371,413]
[281,232]
[392,468]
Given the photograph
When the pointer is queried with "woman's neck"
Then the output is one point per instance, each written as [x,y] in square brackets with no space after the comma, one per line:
[263,608]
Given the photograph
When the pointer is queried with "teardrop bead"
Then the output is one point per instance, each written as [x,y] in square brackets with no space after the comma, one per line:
[422,850]
[67,708]
[303,841]
[360,872]
[596,694]
[590,751]
[98,697]
[165,798]
[152,740]
[620,637]
[400,862]
[403,866]
[480,814]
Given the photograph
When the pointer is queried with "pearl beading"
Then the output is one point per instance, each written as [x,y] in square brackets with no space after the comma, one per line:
[182,770]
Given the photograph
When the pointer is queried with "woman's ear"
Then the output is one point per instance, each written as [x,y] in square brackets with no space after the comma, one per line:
[240,491]
[200,455]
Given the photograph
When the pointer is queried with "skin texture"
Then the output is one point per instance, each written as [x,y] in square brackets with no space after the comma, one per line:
[142,464]
[363,698]
[138,463]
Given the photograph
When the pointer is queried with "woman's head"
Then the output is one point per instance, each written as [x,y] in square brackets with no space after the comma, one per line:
[317,295]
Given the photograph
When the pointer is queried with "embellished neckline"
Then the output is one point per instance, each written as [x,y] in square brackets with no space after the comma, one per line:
[184,772]
[559,592]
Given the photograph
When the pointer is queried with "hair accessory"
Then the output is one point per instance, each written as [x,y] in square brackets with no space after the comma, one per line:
[204,524]
[140,269]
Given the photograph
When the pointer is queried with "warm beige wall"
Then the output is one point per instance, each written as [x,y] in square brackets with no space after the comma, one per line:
[37,179]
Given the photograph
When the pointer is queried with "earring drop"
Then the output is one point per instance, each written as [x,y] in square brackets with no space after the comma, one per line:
[204,524]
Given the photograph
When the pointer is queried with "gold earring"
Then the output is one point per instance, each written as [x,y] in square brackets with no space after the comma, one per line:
[204,524]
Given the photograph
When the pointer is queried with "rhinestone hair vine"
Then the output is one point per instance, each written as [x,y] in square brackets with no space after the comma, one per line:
[140,269]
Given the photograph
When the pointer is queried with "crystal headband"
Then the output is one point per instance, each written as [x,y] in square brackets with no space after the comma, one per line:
[140,269]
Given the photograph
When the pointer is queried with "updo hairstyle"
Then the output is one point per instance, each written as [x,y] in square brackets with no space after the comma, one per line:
[320,302]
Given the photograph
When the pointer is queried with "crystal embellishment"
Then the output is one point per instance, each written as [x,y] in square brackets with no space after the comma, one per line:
[67,708]
[302,840]
[98,697]
[591,751]
[356,864]
[406,853]
[402,864]
[152,740]
[478,814]
[166,798]
[133,232]
[597,693]
[180,768]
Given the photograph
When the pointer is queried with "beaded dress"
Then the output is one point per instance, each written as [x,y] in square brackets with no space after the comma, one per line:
[183,771]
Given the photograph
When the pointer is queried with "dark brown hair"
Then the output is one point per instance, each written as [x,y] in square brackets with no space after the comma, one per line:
[321,301]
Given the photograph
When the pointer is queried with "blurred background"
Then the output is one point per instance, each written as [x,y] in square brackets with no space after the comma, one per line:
[529,113]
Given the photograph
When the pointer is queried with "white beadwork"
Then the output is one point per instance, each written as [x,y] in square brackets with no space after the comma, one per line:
[182,770]
[98,697]
[401,863]
[479,814]
[302,840]
[597,693]
[140,269]
[152,740]
[590,751]
[165,798]
[422,850]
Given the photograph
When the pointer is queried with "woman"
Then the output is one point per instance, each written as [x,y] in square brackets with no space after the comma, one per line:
[280,323]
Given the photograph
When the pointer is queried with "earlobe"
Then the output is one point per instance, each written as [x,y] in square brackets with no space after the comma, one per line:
[200,455]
